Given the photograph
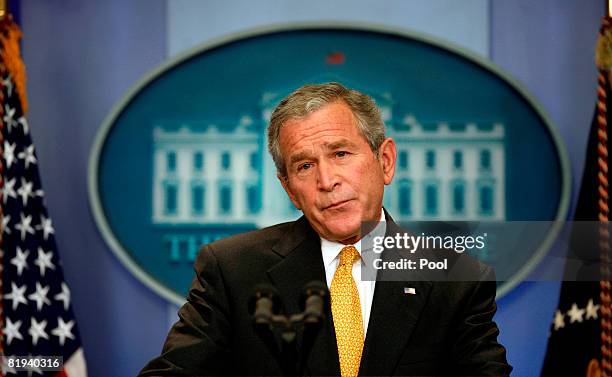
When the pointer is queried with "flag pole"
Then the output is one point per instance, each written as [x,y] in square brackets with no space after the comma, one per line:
[3,10]
[603,60]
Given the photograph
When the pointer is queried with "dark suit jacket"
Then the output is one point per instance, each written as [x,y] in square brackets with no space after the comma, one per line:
[444,329]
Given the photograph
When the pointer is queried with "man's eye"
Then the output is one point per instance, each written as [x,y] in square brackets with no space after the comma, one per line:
[341,153]
[305,166]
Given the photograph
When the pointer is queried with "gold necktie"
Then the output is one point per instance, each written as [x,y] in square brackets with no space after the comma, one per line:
[346,311]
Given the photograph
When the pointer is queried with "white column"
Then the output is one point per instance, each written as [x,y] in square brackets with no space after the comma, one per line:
[211,164]
[184,179]
[158,190]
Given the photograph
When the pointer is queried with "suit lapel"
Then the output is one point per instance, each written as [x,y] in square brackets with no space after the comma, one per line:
[303,263]
[393,317]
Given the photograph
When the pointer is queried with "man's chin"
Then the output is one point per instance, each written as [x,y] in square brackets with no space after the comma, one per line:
[345,233]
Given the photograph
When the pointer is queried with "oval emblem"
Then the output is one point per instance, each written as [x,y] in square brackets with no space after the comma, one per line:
[182,161]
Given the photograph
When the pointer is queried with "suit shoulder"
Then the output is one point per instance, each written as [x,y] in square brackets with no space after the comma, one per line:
[469,264]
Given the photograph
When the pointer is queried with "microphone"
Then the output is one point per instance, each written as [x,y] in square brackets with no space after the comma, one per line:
[279,332]
[264,304]
[313,301]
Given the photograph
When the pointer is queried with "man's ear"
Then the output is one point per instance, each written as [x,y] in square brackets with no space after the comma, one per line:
[388,156]
[285,183]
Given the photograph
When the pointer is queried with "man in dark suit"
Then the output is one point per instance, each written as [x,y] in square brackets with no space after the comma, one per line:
[333,159]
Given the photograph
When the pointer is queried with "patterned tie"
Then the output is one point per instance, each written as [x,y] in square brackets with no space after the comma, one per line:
[346,311]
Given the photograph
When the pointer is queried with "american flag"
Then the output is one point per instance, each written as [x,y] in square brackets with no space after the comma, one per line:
[36,316]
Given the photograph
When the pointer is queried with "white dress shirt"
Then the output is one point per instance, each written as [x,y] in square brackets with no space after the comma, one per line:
[331,258]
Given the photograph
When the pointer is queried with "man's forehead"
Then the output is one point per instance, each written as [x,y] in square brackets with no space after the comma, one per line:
[331,142]
[334,143]
[327,127]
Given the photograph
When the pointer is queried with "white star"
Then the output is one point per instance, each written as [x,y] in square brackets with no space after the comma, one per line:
[63,330]
[6,219]
[25,226]
[591,310]
[11,330]
[33,369]
[559,322]
[37,330]
[24,124]
[43,261]
[25,191]
[8,84]
[7,370]
[40,296]
[9,153]
[8,191]
[9,120]
[17,295]
[64,296]
[20,260]
[28,156]
[46,226]
[575,314]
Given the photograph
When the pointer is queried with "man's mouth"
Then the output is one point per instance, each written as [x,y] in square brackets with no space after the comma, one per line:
[337,205]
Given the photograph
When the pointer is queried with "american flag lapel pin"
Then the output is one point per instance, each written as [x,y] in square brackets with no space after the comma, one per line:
[409,291]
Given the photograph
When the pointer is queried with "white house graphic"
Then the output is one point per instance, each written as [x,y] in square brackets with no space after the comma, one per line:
[448,172]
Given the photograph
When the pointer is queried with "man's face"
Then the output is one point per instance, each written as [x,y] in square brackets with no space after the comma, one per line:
[332,174]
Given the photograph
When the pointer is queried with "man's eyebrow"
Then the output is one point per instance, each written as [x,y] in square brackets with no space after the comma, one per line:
[298,157]
[339,144]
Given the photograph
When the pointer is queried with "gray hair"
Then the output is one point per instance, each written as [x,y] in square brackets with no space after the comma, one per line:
[310,98]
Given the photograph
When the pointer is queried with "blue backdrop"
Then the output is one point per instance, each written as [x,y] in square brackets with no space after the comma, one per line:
[82,56]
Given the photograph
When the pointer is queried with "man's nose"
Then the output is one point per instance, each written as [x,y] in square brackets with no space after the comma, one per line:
[327,176]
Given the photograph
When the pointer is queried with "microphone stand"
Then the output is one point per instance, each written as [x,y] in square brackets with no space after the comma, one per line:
[279,331]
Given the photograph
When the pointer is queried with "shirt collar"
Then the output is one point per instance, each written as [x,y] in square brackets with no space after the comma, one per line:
[331,249]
